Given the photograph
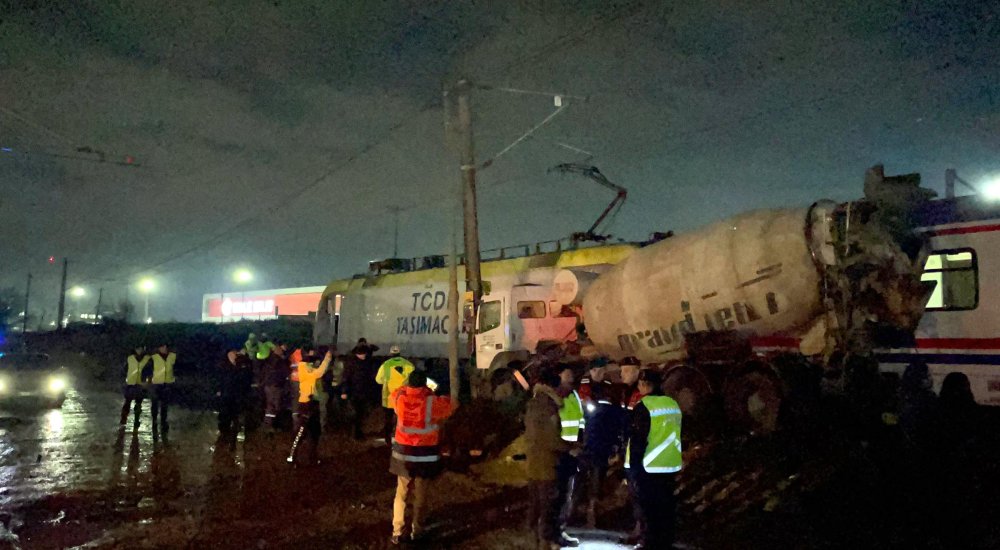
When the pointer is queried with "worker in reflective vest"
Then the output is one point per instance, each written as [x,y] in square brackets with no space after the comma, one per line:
[571,420]
[133,390]
[392,375]
[251,345]
[265,347]
[652,459]
[162,384]
[307,409]
[415,458]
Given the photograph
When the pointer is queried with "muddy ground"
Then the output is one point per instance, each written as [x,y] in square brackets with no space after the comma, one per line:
[72,478]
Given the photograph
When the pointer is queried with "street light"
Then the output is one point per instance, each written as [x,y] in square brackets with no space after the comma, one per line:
[76,292]
[242,276]
[991,189]
[146,286]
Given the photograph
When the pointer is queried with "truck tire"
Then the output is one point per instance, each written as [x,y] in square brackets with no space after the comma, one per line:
[502,384]
[752,401]
[689,388]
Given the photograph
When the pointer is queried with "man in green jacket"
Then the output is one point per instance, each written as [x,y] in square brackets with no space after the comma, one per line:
[544,449]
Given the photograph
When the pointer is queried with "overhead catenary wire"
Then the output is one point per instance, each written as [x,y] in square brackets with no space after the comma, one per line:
[563,42]
[488,162]
[530,57]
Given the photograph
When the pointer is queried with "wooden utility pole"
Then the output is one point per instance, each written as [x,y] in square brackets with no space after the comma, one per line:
[467,157]
[454,376]
[62,296]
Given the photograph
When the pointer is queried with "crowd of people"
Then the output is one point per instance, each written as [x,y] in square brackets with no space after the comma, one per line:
[265,385]
[576,427]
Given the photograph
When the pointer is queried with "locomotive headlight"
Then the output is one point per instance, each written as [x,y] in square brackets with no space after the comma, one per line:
[57,384]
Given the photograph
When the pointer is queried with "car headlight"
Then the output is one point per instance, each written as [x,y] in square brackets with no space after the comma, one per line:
[3,386]
[56,384]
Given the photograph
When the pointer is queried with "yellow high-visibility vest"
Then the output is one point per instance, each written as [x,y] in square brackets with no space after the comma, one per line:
[392,378]
[663,444]
[163,368]
[571,417]
[133,374]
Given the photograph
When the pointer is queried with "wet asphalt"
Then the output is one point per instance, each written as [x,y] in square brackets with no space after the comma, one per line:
[81,447]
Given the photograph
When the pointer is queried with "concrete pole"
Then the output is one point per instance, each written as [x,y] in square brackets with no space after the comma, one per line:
[62,295]
[97,308]
[24,321]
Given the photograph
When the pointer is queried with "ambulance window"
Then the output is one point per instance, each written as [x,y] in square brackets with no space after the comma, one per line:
[531,310]
[956,278]
[489,316]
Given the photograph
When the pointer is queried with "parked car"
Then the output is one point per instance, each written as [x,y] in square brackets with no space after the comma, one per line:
[32,377]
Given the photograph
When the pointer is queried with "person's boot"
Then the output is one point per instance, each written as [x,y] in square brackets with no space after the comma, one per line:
[566,541]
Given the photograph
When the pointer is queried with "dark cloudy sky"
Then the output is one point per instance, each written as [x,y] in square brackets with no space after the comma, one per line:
[279,134]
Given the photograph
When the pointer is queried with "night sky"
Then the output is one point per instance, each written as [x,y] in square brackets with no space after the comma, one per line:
[280,135]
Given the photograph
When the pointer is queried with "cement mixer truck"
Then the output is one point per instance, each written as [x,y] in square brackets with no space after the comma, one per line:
[815,280]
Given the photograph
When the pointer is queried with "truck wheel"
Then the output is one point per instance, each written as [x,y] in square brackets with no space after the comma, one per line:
[502,384]
[689,388]
[752,401]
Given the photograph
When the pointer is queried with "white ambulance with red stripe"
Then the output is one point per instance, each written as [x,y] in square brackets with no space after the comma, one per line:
[960,330]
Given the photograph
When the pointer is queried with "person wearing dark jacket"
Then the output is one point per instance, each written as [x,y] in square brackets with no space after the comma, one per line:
[917,406]
[605,426]
[275,374]
[544,448]
[235,377]
[359,385]
[653,459]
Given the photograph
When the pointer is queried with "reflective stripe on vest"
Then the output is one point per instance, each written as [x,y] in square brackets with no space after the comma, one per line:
[663,444]
[571,417]
[428,415]
[411,458]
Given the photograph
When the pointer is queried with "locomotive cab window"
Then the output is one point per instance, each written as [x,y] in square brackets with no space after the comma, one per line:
[558,310]
[489,316]
[531,310]
[956,277]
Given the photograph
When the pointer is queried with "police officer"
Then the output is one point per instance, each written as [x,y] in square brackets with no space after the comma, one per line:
[653,459]
[162,385]
[133,390]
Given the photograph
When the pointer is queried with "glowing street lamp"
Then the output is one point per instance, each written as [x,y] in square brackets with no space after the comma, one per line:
[242,276]
[991,189]
[147,285]
[77,293]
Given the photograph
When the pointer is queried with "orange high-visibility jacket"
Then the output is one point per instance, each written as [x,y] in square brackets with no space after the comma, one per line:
[419,415]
